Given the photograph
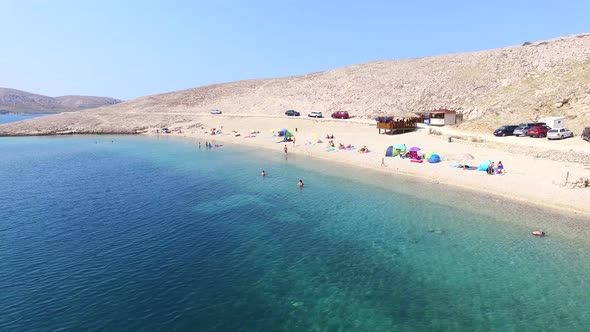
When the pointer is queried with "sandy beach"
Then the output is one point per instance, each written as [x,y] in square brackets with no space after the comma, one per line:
[530,178]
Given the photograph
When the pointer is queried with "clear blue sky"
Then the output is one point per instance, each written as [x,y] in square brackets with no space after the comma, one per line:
[126,49]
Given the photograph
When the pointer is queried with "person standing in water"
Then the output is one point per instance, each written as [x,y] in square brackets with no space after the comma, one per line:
[263,173]
[300,184]
[285,148]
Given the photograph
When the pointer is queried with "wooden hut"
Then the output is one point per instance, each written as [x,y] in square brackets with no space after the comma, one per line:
[441,117]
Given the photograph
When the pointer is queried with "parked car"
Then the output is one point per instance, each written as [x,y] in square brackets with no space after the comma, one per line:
[538,131]
[559,133]
[292,113]
[505,131]
[586,134]
[521,130]
[215,112]
[531,124]
[340,115]
[315,115]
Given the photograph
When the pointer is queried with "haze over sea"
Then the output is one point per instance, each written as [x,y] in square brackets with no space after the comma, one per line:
[145,234]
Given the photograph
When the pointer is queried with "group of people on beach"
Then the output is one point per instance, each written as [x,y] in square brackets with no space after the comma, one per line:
[492,169]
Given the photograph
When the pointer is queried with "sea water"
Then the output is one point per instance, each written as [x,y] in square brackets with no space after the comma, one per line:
[6,118]
[145,234]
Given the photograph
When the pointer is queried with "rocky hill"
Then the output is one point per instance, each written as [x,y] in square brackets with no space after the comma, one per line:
[507,85]
[16,101]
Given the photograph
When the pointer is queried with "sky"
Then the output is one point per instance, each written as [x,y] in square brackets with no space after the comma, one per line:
[127,49]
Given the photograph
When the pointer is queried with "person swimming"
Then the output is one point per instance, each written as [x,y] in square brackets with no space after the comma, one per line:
[300,184]
[263,173]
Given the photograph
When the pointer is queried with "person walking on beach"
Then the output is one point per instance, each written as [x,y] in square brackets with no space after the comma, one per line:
[293,141]
[285,148]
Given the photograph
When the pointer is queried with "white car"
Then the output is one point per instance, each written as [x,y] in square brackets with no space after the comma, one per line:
[215,112]
[559,133]
[315,115]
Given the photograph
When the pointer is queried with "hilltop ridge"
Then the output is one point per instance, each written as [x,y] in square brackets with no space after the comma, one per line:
[17,101]
[506,85]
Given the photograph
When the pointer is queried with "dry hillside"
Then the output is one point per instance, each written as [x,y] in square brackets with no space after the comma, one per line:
[508,85]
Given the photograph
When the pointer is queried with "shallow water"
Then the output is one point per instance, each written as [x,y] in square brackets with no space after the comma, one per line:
[132,233]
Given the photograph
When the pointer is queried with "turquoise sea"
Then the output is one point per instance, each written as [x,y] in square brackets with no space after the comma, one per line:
[144,234]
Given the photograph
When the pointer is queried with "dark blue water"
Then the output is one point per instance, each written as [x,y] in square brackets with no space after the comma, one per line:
[6,118]
[138,234]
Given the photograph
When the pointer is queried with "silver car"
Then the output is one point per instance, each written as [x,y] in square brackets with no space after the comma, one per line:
[559,133]
[521,130]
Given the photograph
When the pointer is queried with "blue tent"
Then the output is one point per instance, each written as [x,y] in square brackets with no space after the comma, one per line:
[434,159]
[484,166]
[282,132]
[390,152]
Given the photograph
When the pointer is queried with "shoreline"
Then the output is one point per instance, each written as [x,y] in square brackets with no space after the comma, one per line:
[562,209]
[548,195]
[536,168]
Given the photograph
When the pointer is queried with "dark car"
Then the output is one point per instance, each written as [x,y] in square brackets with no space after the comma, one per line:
[292,113]
[340,115]
[505,131]
[538,131]
[586,134]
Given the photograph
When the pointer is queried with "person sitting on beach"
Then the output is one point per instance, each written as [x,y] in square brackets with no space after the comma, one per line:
[500,168]
[327,136]
[319,141]
[490,169]
[364,149]
[341,146]
[349,146]
[332,136]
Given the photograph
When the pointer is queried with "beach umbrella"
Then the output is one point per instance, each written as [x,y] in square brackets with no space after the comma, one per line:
[414,149]
[428,155]
[288,134]
[484,165]
[400,147]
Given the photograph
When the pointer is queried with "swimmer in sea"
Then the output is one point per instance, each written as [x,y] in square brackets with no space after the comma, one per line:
[263,173]
[300,184]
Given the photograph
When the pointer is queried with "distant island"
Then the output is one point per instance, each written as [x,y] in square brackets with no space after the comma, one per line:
[14,101]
